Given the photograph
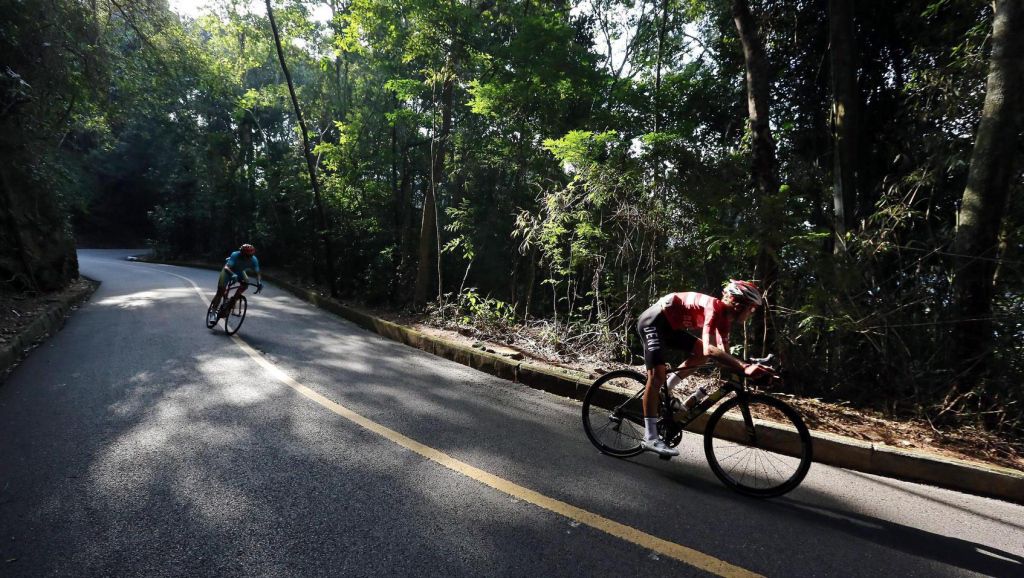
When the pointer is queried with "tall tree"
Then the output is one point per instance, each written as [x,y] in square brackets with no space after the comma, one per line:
[845,121]
[429,234]
[764,166]
[996,147]
[325,240]
[662,29]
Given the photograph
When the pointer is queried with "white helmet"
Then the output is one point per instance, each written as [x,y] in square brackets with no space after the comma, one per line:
[744,291]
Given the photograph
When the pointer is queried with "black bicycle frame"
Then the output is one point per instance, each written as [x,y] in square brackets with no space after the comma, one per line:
[709,401]
[232,285]
[728,386]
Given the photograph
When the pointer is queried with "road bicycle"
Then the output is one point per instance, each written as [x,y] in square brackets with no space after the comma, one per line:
[231,310]
[756,444]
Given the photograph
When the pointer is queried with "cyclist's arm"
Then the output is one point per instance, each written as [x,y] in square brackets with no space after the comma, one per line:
[709,320]
[256,269]
[713,322]
[722,334]
[721,357]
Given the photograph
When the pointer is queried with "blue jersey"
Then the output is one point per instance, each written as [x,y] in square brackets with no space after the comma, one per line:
[239,263]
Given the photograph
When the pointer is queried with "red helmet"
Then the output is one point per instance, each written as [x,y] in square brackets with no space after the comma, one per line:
[248,250]
[744,291]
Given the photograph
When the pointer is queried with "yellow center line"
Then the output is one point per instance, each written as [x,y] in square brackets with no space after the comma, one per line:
[628,533]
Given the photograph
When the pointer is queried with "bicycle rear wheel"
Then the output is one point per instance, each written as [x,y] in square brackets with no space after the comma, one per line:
[613,413]
[235,317]
[758,446]
[211,315]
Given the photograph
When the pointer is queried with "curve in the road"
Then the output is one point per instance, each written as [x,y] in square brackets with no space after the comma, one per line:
[628,533]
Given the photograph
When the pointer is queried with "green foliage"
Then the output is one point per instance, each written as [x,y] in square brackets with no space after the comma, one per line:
[461,222]
[580,149]
[470,309]
[484,311]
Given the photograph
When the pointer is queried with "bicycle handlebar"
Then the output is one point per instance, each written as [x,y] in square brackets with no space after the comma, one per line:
[233,283]
[766,361]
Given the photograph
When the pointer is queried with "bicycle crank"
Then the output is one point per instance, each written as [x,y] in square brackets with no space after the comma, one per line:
[670,432]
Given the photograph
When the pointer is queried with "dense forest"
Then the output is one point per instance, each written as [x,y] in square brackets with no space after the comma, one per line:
[558,161]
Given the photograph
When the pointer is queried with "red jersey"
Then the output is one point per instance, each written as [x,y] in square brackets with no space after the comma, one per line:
[692,310]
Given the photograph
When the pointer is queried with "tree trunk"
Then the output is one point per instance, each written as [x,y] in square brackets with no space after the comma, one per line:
[310,164]
[340,62]
[763,169]
[447,96]
[429,226]
[985,197]
[405,206]
[662,28]
[845,118]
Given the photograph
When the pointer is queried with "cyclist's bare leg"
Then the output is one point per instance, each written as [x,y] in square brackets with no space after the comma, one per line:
[218,296]
[243,284]
[222,283]
[652,442]
[652,392]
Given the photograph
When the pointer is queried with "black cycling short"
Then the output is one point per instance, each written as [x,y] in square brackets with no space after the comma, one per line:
[656,333]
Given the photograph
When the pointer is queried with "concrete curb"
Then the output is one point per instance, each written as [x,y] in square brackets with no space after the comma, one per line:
[50,322]
[878,459]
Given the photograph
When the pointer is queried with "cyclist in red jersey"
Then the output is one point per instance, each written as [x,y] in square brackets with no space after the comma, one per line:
[664,324]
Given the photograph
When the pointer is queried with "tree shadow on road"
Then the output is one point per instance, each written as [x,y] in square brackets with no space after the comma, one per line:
[389,368]
[928,545]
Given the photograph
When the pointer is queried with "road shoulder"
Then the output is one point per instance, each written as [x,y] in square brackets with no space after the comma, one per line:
[40,318]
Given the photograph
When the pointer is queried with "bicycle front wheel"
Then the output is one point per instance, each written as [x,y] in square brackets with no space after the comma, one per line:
[757,445]
[613,413]
[236,316]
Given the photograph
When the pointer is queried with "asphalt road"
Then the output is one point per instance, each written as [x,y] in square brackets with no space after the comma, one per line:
[138,443]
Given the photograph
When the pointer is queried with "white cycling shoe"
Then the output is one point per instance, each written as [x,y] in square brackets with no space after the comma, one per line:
[658,446]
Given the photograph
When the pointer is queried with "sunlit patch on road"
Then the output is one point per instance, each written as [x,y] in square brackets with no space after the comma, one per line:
[287,305]
[134,463]
[145,298]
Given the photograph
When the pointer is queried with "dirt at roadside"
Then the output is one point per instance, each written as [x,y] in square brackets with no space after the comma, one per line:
[18,310]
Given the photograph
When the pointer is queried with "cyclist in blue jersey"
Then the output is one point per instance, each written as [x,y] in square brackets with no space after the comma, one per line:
[235,268]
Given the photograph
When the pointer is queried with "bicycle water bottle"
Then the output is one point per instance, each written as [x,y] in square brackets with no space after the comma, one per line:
[697,397]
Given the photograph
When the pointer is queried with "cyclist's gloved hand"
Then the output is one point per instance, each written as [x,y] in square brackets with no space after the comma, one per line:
[756,370]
